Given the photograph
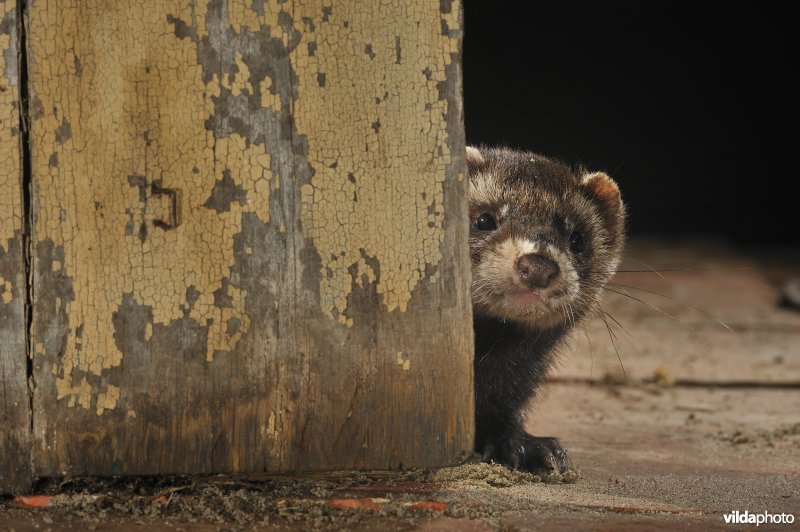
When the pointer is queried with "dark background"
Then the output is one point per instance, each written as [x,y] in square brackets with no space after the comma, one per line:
[692,110]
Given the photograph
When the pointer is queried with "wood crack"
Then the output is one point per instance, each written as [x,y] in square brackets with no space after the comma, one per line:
[27,212]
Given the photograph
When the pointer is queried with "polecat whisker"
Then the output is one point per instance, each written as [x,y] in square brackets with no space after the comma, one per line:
[591,351]
[631,339]
[497,339]
[611,337]
[647,266]
[673,270]
[706,313]
[642,301]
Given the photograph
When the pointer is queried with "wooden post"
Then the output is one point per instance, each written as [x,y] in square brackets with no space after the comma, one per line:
[15,410]
[249,236]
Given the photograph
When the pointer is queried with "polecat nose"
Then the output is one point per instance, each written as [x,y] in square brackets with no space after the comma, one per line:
[537,271]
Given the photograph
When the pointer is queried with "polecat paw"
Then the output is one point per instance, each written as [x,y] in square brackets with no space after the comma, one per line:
[528,453]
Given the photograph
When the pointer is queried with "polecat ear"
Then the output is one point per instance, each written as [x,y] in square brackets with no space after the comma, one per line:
[605,192]
[474,157]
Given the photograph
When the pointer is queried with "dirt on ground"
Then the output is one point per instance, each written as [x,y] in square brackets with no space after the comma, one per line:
[320,501]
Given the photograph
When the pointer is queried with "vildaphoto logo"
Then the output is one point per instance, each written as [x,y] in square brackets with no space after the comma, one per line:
[747,518]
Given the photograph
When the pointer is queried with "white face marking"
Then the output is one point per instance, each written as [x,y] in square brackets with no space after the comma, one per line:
[497,289]
[474,156]
[484,190]
[524,247]
[504,212]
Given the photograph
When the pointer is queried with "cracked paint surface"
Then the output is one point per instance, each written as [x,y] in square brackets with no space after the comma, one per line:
[224,270]
[111,138]
[10,193]
[14,400]
[370,219]
[160,122]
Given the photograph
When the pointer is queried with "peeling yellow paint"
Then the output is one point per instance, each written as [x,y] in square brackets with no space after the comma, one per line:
[80,394]
[241,80]
[107,400]
[270,430]
[403,361]
[137,106]
[136,111]
[241,15]
[6,291]
[10,192]
[357,207]
[268,99]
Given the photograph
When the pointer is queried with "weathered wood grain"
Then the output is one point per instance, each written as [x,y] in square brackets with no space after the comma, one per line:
[249,236]
[14,400]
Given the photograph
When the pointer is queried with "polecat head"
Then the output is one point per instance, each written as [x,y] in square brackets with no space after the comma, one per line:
[543,239]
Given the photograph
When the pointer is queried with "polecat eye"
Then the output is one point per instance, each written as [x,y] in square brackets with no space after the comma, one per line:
[485,222]
[576,243]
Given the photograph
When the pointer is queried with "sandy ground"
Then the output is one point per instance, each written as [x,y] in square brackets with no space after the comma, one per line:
[689,408]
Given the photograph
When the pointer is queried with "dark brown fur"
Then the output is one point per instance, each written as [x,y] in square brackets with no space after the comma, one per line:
[538,206]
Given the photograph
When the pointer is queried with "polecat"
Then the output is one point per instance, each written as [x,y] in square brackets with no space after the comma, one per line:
[544,240]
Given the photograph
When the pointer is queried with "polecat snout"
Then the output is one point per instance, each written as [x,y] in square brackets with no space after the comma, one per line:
[543,240]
